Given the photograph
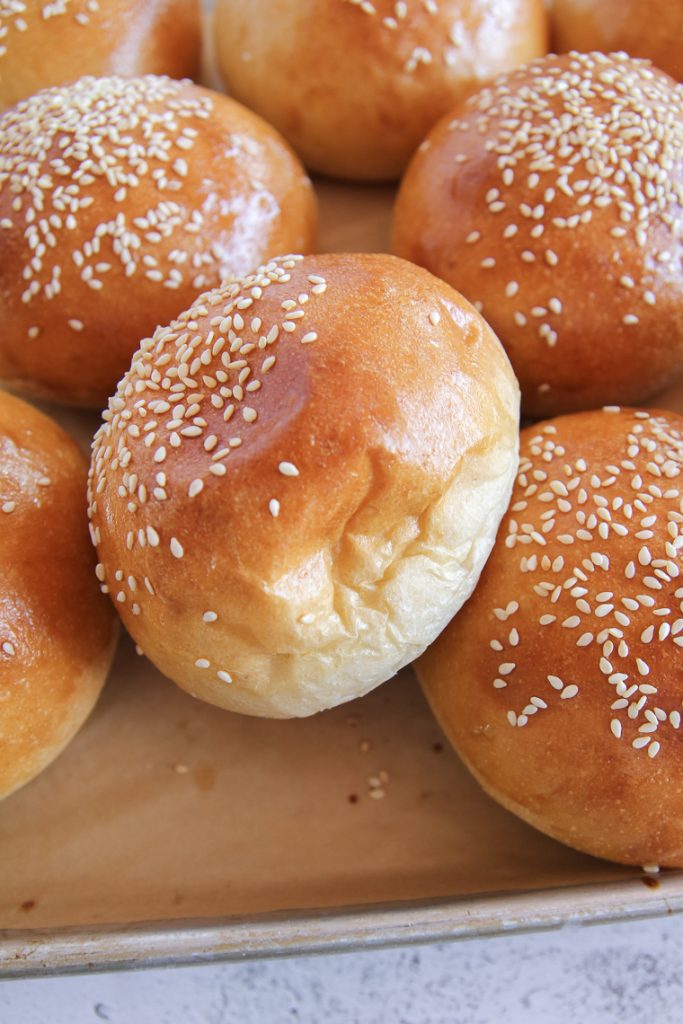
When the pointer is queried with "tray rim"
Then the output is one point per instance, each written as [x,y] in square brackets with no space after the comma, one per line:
[30,953]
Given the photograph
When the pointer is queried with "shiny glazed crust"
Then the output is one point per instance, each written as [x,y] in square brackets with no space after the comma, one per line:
[47,43]
[102,239]
[554,202]
[355,86]
[560,683]
[57,633]
[299,480]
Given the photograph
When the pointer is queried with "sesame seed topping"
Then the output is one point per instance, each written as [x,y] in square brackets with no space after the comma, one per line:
[288,469]
[623,598]
[176,548]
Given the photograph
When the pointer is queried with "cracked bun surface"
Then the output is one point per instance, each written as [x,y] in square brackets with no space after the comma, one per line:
[651,30]
[560,683]
[553,201]
[57,632]
[355,85]
[48,42]
[298,481]
[120,200]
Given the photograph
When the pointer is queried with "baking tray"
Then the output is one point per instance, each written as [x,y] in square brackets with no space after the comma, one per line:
[171,832]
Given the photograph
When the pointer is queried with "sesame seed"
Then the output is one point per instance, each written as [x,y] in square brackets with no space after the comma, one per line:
[176,548]
[288,469]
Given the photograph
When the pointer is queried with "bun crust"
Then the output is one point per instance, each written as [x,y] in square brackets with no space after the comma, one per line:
[299,480]
[57,633]
[355,85]
[47,44]
[101,240]
[651,30]
[554,202]
[560,683]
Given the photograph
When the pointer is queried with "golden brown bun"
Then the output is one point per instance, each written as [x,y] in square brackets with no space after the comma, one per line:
[560,683]
[51,42]
[516,199]
[325,490]
[56,632]
[120,200]
[355,85]
[651,29]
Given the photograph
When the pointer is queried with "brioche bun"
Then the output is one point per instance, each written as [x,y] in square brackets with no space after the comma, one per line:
[57,633]
[560,683]
[553,201]
[355,85]
[49,43]
[653,29]
[298,481]
[120,200]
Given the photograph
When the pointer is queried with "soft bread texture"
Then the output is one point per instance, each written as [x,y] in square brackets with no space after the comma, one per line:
[120,200]
[554,202]
[355,85]
[45,43]
[653,29]
[560,683]
[57,632]
[299,480]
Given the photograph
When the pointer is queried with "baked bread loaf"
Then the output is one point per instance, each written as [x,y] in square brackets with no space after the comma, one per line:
[121,200]
[355,85]
[553,201]
[50,42]
[560,683]
[653,29]
[57,632]
[298,481]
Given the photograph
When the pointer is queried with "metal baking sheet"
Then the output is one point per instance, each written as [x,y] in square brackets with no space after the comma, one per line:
[173,832]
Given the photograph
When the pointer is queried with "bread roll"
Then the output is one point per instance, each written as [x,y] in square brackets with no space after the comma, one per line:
[560,683]
[653,29]
[50,42]
[57,633]
[299,480]
[356,84]
[120,200]
[554,202]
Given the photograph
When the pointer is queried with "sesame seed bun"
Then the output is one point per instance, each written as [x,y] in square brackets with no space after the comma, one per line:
[47,42]
[554,201]
[560,681]
[57,633]
[120,200]
[299,480]
[651,29]
[355,85]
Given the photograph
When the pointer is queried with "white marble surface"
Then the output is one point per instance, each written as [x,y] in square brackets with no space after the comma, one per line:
[628,972]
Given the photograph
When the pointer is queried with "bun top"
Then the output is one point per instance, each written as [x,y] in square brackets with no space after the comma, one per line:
[651,29]
[120,200]
[48,42]
[378,73]
[572,642]
[554,201]
[274,457]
